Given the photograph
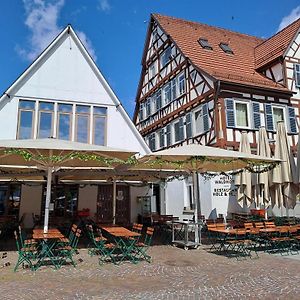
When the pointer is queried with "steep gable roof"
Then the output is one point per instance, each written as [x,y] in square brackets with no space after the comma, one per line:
[276,45]
[44,56]
[238,68]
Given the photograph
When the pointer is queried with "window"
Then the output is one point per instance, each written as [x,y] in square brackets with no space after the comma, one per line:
[65,199]
[174,88]
[297,74]
[10,196]
[165,57]
[278,115]
[179,130]
[204,44]
[141,112]
[225,47]
[82,123]
[45,128]
[167,93]
[64,119]
[241,114]
[161,135]
[168,135]
[26,118]
[188,122]
[158,100]
[181,84]
[148,107]
[199,121]
[99,134]
[152,71]
[152,142]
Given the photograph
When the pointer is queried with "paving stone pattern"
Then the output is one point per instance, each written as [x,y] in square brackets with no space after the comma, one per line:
[174,274]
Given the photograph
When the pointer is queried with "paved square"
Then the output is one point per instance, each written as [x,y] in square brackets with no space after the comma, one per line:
[174,274]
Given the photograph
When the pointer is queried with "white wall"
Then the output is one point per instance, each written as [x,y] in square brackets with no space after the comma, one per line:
[31,198]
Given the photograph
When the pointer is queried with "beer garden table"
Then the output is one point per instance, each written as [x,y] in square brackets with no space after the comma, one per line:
[125,239]
[47,243]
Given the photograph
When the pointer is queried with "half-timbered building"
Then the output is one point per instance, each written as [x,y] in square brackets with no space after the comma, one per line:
[204,84]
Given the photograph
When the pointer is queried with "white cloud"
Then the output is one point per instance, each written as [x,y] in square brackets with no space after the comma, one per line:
[293,16]
[87,43]
[104,5]
[41,18]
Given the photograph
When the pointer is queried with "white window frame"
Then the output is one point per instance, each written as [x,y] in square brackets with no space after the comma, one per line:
[161,133]
[183,133]
[297,84]
[248,113]
[162,57]
[181,75]
[33,110]
[39,113]
[285,117]
[152,70]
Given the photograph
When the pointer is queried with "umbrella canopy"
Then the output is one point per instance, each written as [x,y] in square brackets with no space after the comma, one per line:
[263,179]
[200,158]
[243,180]
[58,153]
[284,175]
[53,154]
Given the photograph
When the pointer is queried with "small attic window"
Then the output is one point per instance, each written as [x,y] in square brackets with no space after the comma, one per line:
[205,44]
[225,47]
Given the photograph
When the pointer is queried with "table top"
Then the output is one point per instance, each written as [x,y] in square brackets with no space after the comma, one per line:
[119,231]
[38,234]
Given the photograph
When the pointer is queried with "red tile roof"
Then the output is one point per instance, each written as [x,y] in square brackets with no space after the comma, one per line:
[233,68]
[276,45]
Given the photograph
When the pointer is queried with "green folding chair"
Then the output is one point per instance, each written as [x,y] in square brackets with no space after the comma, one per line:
[141,248]
[25,242]
[26,254]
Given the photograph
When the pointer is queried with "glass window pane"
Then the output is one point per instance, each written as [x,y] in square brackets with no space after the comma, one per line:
[100,110]
[82,128]
[25,126]
[199,121]
[82,109]
[65,107]
[45,128]
[99,131]
[27,104]
[241,114]
[278,115]
[64,126]
[46,106]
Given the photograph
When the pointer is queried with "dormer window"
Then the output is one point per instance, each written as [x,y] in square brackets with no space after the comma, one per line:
[225,47]
[205,44]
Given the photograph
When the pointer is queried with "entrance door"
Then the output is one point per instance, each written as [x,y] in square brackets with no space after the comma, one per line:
[105,205]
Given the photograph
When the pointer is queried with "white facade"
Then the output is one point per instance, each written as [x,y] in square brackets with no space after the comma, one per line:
[65,74]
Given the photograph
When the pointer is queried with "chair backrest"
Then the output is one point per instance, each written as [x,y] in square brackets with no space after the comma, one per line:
[259,225]
[248,225]
[270,224]
[211,226]
[149,235]
[17,241]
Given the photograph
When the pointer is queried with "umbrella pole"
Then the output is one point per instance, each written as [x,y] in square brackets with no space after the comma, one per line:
[196,199]
[114,200]
[48,198]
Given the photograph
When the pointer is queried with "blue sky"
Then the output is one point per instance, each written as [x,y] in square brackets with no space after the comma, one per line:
[114,30]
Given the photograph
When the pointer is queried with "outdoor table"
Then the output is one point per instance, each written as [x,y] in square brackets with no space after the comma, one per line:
[125,240]
[47,241]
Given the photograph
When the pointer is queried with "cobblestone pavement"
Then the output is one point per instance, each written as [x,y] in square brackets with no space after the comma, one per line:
[174,274]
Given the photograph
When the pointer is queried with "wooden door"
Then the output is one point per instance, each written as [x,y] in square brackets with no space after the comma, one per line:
[123,205]
[104,203]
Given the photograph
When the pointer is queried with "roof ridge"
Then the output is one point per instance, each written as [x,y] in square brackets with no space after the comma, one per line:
[266,40]
[204,24]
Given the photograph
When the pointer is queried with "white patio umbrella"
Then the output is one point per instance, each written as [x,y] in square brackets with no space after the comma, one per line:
[53,154]
[284,175]
[263,179]
[243,180]
[195,158]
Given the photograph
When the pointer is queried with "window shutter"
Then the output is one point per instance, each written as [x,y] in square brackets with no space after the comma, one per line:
[168,134]
[269,117]
[205,117]
[230,113]
[174,88]
[256,115]
[158,100]
[292,119]
[188,122]
[297,74]
[181,129]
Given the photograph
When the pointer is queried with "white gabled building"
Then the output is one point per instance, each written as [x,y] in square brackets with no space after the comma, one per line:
[63,95]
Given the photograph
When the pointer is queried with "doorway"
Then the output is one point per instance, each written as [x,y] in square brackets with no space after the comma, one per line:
[105,204]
